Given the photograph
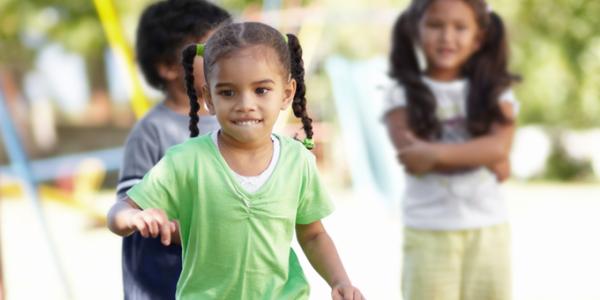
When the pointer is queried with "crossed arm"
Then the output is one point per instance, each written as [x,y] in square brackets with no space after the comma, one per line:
[419,157]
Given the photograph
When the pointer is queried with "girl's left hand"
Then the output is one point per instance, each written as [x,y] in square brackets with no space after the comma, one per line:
[417,156]
[346,291]
[501,170]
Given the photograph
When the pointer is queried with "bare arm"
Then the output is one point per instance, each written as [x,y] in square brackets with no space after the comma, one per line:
[125,217]
[320,251]
[419,156]
[396,122]
[486,150]
[119,216]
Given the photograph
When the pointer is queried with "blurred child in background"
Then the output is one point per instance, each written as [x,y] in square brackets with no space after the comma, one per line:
[151,269]
[451,118]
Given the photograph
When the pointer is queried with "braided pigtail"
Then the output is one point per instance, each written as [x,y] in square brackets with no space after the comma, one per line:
[299,102]
[188,56]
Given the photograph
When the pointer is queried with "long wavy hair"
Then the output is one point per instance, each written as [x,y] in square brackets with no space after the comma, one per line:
[233,37]
[486,71]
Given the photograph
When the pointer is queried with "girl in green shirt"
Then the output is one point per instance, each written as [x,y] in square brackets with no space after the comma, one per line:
[240,193]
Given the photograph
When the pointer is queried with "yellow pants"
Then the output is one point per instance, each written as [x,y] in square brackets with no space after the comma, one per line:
[471,264]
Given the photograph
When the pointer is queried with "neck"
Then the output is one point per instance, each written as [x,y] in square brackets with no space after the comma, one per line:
[443,74]
[246,159]
[230,144]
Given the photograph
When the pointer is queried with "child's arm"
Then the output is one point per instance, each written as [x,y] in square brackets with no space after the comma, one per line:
[419,156]
[320,251]
[125,217]
[501,170]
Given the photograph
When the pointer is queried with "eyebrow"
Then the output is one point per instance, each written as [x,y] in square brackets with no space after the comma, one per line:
[264,81]
[225,84]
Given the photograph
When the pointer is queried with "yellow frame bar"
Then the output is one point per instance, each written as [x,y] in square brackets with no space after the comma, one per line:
[114,33]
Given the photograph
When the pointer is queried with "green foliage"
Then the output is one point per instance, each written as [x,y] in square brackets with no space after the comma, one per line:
[556,46]
[561,167]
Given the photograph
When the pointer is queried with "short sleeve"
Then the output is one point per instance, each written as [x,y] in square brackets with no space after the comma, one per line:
[139,157]
[394,97]
[315,204]
[158,188]
[509,96]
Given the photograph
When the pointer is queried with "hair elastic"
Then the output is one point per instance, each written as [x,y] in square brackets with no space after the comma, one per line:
[308,143]
[199,49]
[285,38]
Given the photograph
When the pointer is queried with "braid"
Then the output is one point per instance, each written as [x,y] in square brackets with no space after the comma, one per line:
[189,53]
[297,70]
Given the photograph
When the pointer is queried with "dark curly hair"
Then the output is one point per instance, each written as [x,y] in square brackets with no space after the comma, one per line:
[486,70]
[236,36]
[166,26]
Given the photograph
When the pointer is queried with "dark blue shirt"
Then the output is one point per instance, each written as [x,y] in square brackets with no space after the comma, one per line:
[150,269]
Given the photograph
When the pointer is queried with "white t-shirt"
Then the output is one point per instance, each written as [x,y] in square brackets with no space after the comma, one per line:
[251,184]
[463,199]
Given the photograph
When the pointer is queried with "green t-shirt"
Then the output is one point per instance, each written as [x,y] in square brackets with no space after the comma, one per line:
[236,245]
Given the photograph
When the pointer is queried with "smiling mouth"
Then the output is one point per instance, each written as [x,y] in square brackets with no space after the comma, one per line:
[446,51]
[247,122]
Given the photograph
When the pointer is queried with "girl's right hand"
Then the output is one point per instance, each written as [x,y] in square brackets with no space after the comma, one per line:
[153,222]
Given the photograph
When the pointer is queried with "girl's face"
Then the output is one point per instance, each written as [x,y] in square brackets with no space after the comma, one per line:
[246,91]
[448,35]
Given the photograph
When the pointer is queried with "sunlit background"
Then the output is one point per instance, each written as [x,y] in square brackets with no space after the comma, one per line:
[70,92]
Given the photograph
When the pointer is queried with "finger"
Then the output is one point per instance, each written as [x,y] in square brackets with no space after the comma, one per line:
[165,234]
[357,295]
[163,226]
[152,226]
[173,226]
[349,294]
[140,225]
[335,295]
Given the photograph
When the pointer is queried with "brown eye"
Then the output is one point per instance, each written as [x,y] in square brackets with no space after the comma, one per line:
[461,27]
[434,24]
[261,91]
[226,93]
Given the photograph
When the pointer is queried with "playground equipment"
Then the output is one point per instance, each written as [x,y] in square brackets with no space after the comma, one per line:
[90,173]
[364,139]
[21,167]
[358,88]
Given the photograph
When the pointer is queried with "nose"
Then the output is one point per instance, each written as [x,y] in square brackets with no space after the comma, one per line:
[246,102]
[447,34]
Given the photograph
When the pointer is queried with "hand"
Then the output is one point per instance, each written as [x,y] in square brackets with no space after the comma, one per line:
[153,222]
[345,291]
[417,156]
[501,170]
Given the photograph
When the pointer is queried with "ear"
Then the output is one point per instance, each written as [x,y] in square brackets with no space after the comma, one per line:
[208,100]
[168,72]
[289,90]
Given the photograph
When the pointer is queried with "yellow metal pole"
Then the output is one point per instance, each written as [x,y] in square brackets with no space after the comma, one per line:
[114,33]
